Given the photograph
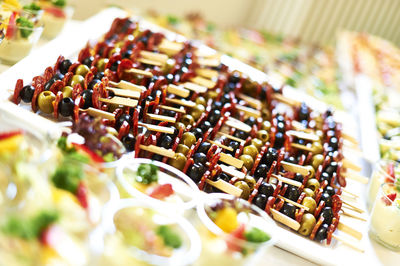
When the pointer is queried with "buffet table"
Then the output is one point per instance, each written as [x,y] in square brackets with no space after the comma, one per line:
[315,253]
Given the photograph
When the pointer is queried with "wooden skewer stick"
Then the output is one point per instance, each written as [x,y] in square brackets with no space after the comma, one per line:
[349,138]
[303,135]
[220,145]
[346,191]
[287,180]
[233,122]
[185,103]
[225,187]
[232,171]
[162,118]
[230,137]
[178,110]
[353,207]
[127,86]
[140,72]
[125,93]
[154,56]
[349,230]
[248,111]
[170,47]
[294,203]
[203,82]
[295,168]
[194,87]
[120,101]
[149,62]
[300,127]
[256,104]
[302,147]
[350,165]
[228,159]
[348,242]
[207,73]
[178,90]
[356,176]
[283,99]
[353,215]
[98,113]
[168,130]
[158,150]
[286,220]
[210,62]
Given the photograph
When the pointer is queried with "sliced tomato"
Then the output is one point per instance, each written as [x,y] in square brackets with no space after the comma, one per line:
[9,134]
[55,11]
[162,191]
[50,235]
[82,195]
[238,233]
[12,26]
[93,156]
[390,171]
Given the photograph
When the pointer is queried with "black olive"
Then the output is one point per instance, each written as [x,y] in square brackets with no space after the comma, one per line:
[280,118]
[169,113]
[224,177]
[325,176]
[216,105]
[129,142]
[170,78]
[214,116]
[330,190]
[261,171]
[149,98]
[121,119]
[127,54]
[289,210]
[322,232]
[196,172]
[266,189]
[157,157]
[200,157]
[234,144]
[99,75]
[235,77]
[144,40]
[66,107]
[225,99]
[299,177]
[327,198]
[240,134]
[48,84]
[92,83]
[187,62]
[204,147]
[333,142]
[278,140]
[87,96]
[292,193]
[166,141]
[331,168]
[115,65]
[250,121]
[291,159]
[88,61]
[58,76]
[64,66]
[197,132]
[229,87]
[26,93]
[260,201]
[206,125]
[281,127]
[270,156]
[327,213]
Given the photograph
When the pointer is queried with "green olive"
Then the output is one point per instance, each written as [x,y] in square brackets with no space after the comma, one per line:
[166,68]
[310,203]
[178,161]
[179,125]
[113,51]
[266,125]
[211,94]
[247,161]
[76,79]
[112,131]
[317,160]
[317,147]
[258,143]
[265,114]
[67,91]
[197,111]
[101,64]
[82,70]
[250,181]
[263,136]
[119,44]
[188,139]
[250,150]
[307,224]
[245,189]
[182,149]
[311,171]
[187,120]
[45,101]
[313,184]
[309,192]
[201,100]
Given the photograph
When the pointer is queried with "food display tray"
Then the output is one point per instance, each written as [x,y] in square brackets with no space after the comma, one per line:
[69,43]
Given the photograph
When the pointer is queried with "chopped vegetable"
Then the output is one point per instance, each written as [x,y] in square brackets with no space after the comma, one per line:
[256,235]
[170,238]
[11,28]
[60,3]
[30,228]
[227,219]
[162,191]
[32,7]
[147,173]
[26,26]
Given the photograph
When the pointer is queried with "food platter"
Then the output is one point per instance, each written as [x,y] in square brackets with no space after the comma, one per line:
[96,26]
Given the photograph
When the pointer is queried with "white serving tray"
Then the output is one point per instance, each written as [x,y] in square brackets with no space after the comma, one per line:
[69,45]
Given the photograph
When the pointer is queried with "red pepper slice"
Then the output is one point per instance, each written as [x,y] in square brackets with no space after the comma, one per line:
[18,87]
[76,91]
[319,208]
[48,73]
[269,205]
[139,141]
[78,102]
[123,130]
[188,164]
[12,26]
[232,243]
[301,197]
[73,67]
[331,229]
[299,214]
[96,95]
[38,90]
[277,189]
[88,78]
[55,11]
[10,134]
[38,80]
[59,97]
[93,156]
[336,203]
[82,195]
[391,173]
[316,227]
[162,191]
[58,62]
[280,204]
[67,77]
[57,86]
